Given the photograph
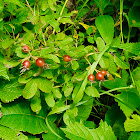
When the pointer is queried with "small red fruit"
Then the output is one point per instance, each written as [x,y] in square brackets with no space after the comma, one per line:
[25,49]
[40,62]
[26,64]
[99,76]
[66,58]
[91,77]
[103,72]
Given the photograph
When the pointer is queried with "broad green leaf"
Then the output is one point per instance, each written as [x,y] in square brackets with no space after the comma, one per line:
[75,65]
[105,25]
[65,20]
[134,16]
[90,39]
[78,131]
[16,2]
[67,40]
[136,74]
[10,134]
[134,135]
[132,124]
[47,73]
[55,24]
[120,63]
[3,71]
[49,99]
[44,85]
[44,5]
[100,44]
[80,93]
[7,43]
[59,108]
[128,101]
[52,4]
[112,66]
[57,93]
[69,116]
[30,89]
[102,4]
[53,57]
[60,36]
[92,91]
[68,88]
[45,51]
[17,116]
[10,91]
[36,105]
[130,47]
[20,53]
[22,79]
[10,63]
[84,109]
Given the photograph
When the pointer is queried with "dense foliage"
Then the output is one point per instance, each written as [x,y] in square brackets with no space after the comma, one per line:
[69,69]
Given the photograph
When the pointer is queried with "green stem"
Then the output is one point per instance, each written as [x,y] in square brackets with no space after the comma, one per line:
[121,11]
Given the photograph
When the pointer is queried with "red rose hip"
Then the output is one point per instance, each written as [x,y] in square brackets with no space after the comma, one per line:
[103,72]
[99,76]
[25,49]
[91,77]
[66,58]
[26,64]
[40,62]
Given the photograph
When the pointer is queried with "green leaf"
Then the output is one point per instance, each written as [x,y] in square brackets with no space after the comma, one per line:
[45,51]
[134,16]
[44,85]
[30,89]
[138,85]
[66,20]
[44,5]
[130,47]
[132,124]
[92,91]
[10,63]
[105,25]
[7,43]
[17,116]
[49,99]
[134,135]
[57,93]
[78,131]
[36,105]
[16,2]
[52,4]
[120,63]
[68,88]
[53,57]
[128,101]
[80,93]
[3,71]
[10,91]
[136,74]
[20,53]
[100,44]
[47,73]
[90,39]
[75,65]
[69,116]
[10,134]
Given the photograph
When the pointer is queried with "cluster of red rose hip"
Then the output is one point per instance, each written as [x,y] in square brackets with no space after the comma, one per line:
[40,62]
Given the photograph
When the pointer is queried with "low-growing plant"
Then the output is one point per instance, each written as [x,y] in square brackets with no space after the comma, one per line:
[69,69]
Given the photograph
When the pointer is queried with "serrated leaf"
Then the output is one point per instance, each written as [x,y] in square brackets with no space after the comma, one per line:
[53,57]
[100,44]
[132,124]
[17,115]
[130,47]
[10,134]
[78,131]
[3,71]
[49,99]
[44,85]
[92,91]
[30,89]
[22,79]
[10,91]
[128,101]
[120,63]
[47,73]
[10,63]
[105,25]
[75,65]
